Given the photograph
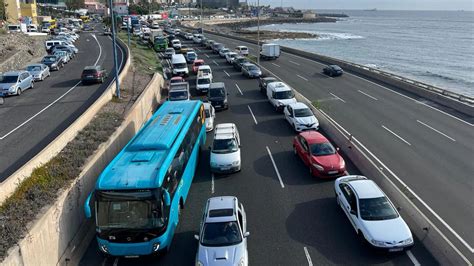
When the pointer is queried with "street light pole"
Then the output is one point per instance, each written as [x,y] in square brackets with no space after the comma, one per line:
[114,43]
[258,32]
[202,31]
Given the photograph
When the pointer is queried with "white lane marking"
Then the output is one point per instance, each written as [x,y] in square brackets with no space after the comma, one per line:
[104,261]
[227,73]
[214,61]
[100,49]
[337,97]
[254,119]
[241,93]
[206,55]
[434,129]
[212,183]
[294,63]
[275,166]
[412,258]
[116,261]
[303,78]
[310,262]
[366,94]
[402,139]
[275,65]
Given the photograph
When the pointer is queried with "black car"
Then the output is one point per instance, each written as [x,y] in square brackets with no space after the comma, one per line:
[217,95]
[171,37]
[54,62]
[263,82]
[238,62]
[333,70]
[93,74]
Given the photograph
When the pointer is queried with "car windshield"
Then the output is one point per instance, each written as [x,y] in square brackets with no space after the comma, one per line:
[221,234]
[176,81]
[180,65]
[178,95]
[33,68]
[198,63]
[376,209]
[192,55]
[303,112]
[49,58]
[8,79]
[282,95]
[322,149]
[204,81]
[205,70]
[217,93]
[224,146]
[224,51]
[253,68]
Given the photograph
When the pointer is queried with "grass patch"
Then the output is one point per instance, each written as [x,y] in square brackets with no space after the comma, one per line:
[47,181]
[143,56]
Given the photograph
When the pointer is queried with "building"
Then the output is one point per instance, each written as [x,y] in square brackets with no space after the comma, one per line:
[13,11]
[28,10]
[220,3]
[19,11]
[95,7]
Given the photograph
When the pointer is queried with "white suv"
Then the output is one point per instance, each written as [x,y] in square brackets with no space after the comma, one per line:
[300,117]
[225,150]
[280,95]
[203,81]
[223,233]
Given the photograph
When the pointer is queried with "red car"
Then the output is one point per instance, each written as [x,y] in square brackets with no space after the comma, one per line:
[319,154]
[196,64]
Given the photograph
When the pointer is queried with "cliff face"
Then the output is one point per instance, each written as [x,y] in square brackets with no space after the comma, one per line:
[17,50]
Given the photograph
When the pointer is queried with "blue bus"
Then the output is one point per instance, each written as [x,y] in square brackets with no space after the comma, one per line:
[137,198]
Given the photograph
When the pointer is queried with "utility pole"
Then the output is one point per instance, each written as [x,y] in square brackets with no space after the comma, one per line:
[258,32]
[202,31]
[114,43]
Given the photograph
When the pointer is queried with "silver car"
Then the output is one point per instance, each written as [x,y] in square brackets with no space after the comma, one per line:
[15,82]
[250,70]
[223,233]
[38,71]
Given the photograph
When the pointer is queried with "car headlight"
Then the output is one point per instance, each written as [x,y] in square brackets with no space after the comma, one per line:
[236,162]
[12,88]
[281,104]
[317,166]
[225,101]
[54,65]
[343,164]
[104,248]
[156,246]
[198,263]
[378,243]
[408,241]
[242,262]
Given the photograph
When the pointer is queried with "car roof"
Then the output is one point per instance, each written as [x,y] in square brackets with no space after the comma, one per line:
[222,203]
[248,64]
[269,78]
[13,73]
[41,65]
[207,105]
[366,188]
[241,46]
[313,136]
[198,61]
[177,78]
[204,67]
[225,131]
[298,105]
[91,67]
[215,85]
[278,86]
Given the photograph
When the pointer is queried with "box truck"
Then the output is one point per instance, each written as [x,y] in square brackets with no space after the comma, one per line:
[270,51]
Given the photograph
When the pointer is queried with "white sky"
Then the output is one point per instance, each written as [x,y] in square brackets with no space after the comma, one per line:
[467,5]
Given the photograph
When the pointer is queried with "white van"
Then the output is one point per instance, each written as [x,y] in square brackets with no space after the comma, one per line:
[180,67]
[13,28]
[179,92]
[203,81]
[242,50]
[280,95]
[49,44]
[225,149]
[204,69]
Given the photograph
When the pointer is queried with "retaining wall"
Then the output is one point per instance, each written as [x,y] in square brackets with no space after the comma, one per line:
[61,234]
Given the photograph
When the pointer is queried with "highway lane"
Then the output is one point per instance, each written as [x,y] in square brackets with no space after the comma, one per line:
[30,122]
[288,224]
[428,149]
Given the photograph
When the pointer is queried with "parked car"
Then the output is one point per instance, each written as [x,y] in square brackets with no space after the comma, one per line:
[264,81]
[238,62]
[93,74]
[230,56]
[196,64]
[242,50]
[223,233]
[251,71]
[372,214]
[38,71]
[169,52]
[280,95]
[179,92]
[64,55]
[333,70]
[217,95]
[300,117]
[210,116]
[316,152]
[54,62]
[225,149]
[190,57]
[223,52]
[15,82]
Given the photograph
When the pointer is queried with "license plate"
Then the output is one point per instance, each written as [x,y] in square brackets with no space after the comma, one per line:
[225,168]
[90,76]
[131,257]
[395,249]
[218,105]
[332,172]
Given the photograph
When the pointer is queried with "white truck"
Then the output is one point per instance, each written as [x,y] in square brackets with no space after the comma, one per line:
[270,51]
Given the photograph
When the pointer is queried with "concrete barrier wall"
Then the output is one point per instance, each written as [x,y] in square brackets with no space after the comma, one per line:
[8,186]
[61,233]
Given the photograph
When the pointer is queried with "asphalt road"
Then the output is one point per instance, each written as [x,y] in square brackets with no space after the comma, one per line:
[31,121]
[293,224]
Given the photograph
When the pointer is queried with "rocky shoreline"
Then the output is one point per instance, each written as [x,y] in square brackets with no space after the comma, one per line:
[272,35]
[236,25]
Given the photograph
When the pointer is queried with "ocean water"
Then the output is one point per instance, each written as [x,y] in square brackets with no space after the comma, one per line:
[435,47]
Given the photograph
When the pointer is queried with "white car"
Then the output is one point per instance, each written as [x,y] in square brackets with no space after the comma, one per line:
[210,116]
[188,36]
[197,38]
[225,149]
[242,50]
[300,117]
[229,57]
[279,94]
[205,69]
[176,44]
[223,52]
[373,216]
[223,233]
[203,81]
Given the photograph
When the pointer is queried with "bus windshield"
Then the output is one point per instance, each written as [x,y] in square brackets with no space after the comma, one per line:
[129,210]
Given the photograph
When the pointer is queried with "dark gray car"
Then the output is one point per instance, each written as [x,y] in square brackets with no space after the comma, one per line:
[251,71]
[217,96]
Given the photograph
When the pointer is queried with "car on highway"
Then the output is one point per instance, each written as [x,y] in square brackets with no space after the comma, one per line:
[38,71]
[333,70]
[242,50]
[197,38]
[238,62]
[251,70]
[15,82]
[203,82]
[372,214]
[279,95]
[223,233]
[196,64]
[188,36]
[65,56]
[217,95]
[300,117]
[216,47]
[179,65]
[190,57]
[210,116]
[169,52]
[225,149]
[223,52]
[176,44]
[316,152]
[208,44]
[205,69]
[230,56]
[264,81]
[93,74]
[54,62]
[179,92]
